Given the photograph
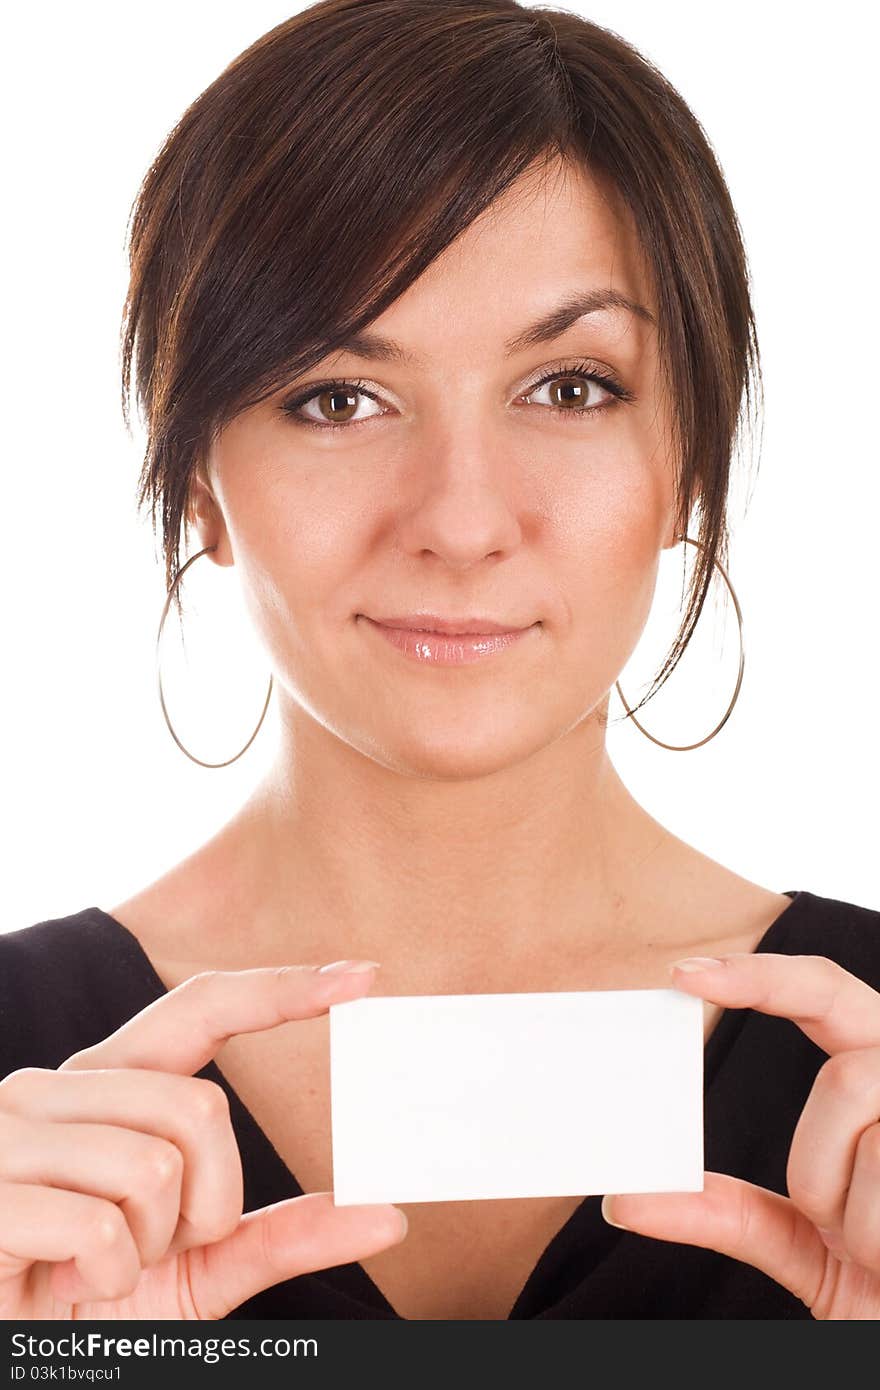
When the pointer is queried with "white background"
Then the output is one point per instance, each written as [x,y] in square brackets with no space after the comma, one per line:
[98,799]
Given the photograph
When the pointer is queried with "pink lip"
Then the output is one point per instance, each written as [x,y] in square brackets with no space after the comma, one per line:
[447,648]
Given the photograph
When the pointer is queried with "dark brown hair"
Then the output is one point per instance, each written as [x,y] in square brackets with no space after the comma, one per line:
[330,163]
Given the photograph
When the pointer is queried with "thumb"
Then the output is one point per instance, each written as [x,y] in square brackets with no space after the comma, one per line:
[281,1241]
[736,1218]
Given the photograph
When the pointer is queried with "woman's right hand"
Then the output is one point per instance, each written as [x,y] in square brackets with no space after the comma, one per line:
[121,1190]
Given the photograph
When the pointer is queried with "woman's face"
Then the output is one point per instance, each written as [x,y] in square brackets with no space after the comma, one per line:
[455,484]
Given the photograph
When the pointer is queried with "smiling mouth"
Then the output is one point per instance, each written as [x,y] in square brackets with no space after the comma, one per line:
[429,647]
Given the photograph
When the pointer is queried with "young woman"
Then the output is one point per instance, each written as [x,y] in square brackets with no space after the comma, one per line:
[440,324]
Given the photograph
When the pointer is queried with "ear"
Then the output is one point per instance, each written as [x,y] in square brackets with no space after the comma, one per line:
[204,513]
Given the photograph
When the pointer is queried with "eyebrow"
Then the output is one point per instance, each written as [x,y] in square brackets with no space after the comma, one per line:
[551,325]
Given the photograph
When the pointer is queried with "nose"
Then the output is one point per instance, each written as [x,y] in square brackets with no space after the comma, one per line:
[463,504]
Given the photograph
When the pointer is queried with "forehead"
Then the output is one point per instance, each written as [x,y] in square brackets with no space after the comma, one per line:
[559,230]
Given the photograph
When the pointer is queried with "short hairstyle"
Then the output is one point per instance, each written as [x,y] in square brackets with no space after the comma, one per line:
[335,158]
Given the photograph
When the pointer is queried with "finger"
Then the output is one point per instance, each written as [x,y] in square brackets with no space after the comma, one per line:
[843,1103]
[182,1030]
[190,1112]
[285,1240]
[48,1223]
[737,1218]
[141,1173]
[861,1222]
[835,1009]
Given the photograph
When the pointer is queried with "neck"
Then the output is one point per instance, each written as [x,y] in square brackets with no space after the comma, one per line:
[336,855]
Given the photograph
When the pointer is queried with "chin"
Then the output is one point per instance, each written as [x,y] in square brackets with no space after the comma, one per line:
[453,755]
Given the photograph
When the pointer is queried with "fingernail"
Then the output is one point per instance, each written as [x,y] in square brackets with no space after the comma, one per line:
[606,1206]
[404,1223]
[348,967]
[696,963]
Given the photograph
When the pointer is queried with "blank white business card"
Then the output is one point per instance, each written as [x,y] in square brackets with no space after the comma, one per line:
[455,1096]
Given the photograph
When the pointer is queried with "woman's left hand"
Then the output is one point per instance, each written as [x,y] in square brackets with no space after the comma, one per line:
[822,1242]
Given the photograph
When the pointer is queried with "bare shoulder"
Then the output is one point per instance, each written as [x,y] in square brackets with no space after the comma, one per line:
[716,905]
[184,920]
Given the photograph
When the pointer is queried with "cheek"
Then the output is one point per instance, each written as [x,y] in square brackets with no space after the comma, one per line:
[293,539]
[605,530]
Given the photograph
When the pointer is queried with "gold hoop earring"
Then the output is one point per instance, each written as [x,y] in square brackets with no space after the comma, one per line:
[177,578]
[686,747]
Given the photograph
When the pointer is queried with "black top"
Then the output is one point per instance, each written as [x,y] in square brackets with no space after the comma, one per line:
[68,982]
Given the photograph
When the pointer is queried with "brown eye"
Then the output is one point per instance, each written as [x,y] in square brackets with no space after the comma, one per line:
[335,402]
[568,391]
[574,393]
[337,406]
[571,386]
